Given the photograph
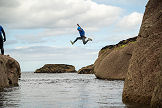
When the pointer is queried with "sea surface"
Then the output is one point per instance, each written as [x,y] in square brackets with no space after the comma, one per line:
[65,90]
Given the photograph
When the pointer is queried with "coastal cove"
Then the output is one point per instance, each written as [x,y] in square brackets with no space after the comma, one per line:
[125,74]
[65,90]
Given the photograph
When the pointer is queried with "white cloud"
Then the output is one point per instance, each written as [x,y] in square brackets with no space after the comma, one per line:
[42,35]
[11,42]
[55,17]
[57,14]
[31,57]
[39,20]
[130,22]
[50,52]
[123,2]
[9,3]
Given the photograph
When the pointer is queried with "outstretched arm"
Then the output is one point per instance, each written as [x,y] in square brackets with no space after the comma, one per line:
[4,35]
[79,27]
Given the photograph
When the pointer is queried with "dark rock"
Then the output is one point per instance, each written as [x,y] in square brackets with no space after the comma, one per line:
[123,42]
[156,100]
[56,68]
[86,70]
[143,76]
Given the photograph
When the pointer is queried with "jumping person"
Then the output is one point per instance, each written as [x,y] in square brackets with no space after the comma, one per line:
[2,39]
[82,36]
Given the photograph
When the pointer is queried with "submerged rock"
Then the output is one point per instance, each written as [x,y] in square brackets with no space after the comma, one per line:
[56,68]
[144,73]
[113,60]
[86,70]
[9,71]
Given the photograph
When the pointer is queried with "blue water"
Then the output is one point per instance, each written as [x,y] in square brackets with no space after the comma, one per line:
[66,90]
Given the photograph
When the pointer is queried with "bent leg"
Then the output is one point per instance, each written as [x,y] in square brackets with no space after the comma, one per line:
[78,38]
[84,41]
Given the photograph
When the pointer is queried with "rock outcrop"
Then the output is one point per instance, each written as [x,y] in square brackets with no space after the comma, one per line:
[156,100]
[9,71]
[113,60]
[86,70]
[144,73]
[56,68]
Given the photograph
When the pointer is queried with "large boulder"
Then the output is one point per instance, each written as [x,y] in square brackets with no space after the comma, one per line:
[143,73]
[156,100]
[56,68]
[113,60]
[86,70]
[9,71]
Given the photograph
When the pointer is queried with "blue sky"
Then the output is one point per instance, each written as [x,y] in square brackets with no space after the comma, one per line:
[39,33]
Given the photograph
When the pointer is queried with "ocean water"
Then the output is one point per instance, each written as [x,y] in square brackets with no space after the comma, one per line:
[65,90]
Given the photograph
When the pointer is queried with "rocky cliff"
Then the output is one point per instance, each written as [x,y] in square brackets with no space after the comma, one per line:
[56,68]
[113,60]
[9,71]
[143,80]
[156,100]
[86,70]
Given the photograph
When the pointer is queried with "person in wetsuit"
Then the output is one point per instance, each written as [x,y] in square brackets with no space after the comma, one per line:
[2,39]
[82,36]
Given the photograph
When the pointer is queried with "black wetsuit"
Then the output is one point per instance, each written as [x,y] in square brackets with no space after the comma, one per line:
[1,39]
[1,42]
[81,38]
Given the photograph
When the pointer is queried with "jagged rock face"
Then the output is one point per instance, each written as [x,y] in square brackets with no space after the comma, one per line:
[113,60]
[56,68]
[86,70]
[9,71]
[144,65]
